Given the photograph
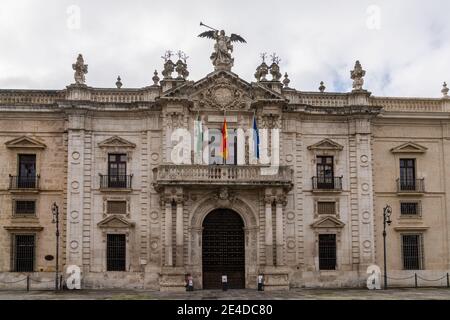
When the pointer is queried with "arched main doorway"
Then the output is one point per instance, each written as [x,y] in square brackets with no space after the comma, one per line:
[223,249]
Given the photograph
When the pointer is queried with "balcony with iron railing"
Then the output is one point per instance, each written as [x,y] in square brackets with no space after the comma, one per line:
[411,186]
[326,184]
[115,182]
[244,175]
[24,183]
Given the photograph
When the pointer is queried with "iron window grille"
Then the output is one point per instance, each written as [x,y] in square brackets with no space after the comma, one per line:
[23,253]
[115,252]
[410,209]
[326,207]
[25,207]
[116,207]
[327,252]
[412,251]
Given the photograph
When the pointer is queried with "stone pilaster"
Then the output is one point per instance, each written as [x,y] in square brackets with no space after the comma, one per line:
[279,241]
[179,232]
[168,260]
[268,230]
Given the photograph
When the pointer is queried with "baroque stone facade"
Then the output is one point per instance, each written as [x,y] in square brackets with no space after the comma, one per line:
[343,157]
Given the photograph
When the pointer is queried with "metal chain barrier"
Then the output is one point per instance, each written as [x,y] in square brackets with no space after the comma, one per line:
[392,278]
[8,282]
[431,279]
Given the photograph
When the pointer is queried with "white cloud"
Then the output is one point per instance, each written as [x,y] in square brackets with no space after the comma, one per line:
[408,55]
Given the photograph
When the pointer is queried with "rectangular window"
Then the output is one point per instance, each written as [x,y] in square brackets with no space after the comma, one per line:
[115,252]
[116,207]
[410,209]
[25,207]
[408,174]
[327,252]
[326,207]
[412,251]
[325,172]
[27,171]
[117,170]
[23,253]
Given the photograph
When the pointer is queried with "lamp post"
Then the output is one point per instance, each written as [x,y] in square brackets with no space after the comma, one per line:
[55,212]
[387,211]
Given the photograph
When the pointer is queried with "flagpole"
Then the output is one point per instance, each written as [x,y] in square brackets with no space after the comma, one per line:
[225,153]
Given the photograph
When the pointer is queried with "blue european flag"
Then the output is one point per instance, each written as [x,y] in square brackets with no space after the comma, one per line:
[256,137]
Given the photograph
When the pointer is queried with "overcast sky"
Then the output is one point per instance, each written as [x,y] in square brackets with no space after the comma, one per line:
[403,45]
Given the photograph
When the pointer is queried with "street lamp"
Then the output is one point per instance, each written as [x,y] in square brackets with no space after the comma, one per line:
[387,211]
[55,212]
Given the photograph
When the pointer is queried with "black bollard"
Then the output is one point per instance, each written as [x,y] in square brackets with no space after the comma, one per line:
[261,282]
[224,282]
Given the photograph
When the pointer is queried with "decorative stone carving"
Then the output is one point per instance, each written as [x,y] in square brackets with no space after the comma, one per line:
[271,121]
[224,96]
[357,75]
[181,66]
[25,142]
[275,67]
[169,66]
[80,70]
[221,57]
[262,70]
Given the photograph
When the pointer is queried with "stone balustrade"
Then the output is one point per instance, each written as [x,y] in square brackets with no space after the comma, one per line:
[223,174]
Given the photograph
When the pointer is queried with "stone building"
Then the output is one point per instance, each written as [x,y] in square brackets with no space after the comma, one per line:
[130,217]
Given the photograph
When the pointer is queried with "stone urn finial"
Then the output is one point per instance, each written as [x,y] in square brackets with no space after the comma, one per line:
[119,82]
[155,78]
[357,75]
[275,67]
[262,70]
[445,90]
[322,87]
[286,80]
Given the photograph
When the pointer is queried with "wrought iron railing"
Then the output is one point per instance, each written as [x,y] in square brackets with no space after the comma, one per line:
[327,183]
[222,174]
[24,182]
[411,185]
[115,181]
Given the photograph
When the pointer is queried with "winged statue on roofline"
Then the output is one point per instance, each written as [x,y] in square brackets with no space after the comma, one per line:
[221,57]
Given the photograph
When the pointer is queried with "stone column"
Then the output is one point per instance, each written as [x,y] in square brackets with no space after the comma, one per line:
[279,232]
[269,232]
[179,233]
[168,234]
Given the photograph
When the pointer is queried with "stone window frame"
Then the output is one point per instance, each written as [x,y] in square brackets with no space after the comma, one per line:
[339,249]
[127,199]
[327,199]
[12,240]
[422,261]
[416,216]
[104,248]
[24,198]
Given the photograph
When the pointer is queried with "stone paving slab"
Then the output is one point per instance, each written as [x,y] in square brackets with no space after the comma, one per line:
[293,294]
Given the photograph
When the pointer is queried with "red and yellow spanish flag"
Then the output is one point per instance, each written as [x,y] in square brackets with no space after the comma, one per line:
[224,146]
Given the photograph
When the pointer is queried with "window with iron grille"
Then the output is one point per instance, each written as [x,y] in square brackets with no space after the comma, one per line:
[410,209]
[327,252]
[412,251]
[115,252]
[116,207]
[23,252]
[25,207]
[324,207]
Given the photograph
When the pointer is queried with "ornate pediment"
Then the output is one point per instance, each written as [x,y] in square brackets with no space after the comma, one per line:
[222,90]
[328,222]
[115,221]
[25,142]
[326,144]
[116,142]
[409,147]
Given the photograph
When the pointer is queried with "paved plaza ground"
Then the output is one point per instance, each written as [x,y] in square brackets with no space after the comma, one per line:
[293,294]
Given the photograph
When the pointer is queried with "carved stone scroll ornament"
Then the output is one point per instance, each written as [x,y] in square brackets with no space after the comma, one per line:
[223,96]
